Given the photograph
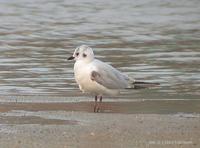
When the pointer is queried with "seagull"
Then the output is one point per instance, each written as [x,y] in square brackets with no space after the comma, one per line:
[99,78]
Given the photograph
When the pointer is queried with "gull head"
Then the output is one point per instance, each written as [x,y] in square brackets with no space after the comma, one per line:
[84,53]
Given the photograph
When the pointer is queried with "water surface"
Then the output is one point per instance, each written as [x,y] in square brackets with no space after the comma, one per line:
[151,40]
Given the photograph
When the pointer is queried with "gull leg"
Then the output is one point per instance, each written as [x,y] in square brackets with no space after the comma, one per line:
[100,104]
[95,104]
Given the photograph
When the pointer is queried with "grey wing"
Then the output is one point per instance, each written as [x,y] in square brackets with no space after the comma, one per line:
[109,77]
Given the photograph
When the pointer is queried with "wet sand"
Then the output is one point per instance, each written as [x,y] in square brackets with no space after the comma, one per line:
[133,107]
[120,124]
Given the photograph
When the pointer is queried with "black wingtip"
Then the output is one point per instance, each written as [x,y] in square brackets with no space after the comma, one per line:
[151,83]
[142,85]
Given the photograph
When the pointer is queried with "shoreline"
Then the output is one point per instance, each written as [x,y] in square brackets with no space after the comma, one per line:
[61,129]
[125,107]
[141,124]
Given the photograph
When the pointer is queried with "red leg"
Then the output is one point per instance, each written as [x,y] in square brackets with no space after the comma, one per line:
[100,104]
[95,104]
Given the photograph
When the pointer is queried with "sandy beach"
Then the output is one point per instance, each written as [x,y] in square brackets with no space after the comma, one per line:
[120,124]
[41,105]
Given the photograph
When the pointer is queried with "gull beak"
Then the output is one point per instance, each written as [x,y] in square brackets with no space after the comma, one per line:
[70,58]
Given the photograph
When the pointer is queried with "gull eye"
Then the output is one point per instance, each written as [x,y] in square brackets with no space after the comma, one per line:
[84,55]
[77,54]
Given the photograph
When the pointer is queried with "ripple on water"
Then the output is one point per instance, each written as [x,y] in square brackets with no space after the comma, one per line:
[36,37]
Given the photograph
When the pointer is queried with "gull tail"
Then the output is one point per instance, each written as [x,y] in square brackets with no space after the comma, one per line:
[143,85]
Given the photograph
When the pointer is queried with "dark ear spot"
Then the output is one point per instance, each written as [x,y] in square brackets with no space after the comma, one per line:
[84,55]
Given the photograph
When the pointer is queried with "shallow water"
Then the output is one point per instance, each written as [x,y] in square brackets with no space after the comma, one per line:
[156,41]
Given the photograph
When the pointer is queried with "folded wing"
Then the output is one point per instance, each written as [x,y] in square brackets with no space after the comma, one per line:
[108,76]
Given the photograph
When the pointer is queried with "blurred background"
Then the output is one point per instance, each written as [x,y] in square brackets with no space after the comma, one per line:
[151,40]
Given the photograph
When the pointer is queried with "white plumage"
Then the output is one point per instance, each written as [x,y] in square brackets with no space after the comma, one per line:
[97,77]
[108,80]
